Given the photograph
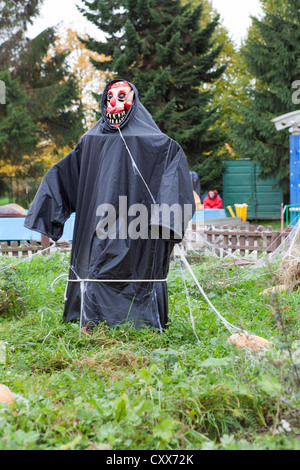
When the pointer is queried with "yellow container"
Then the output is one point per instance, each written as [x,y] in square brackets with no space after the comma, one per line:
[237,210]
[231,211]
[241,211]
[244,212]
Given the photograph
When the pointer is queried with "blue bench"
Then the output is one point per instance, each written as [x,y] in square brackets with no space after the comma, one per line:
[209,214]
[12,229]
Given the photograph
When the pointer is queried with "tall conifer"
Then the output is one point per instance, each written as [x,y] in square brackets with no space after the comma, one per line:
[15,15]
[161,47]
[272,55]
[42,106]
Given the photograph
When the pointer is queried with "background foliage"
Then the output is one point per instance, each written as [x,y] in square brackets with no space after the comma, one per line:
[214,97]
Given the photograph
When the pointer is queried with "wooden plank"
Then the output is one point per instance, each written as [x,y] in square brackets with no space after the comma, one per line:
[251,247]
[14,248]
[242,240]
[45,241]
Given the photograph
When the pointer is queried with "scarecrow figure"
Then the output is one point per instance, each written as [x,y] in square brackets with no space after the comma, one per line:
[129,185]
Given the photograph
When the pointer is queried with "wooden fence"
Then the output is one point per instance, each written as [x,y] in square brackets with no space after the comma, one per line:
[245,239]
[23,248]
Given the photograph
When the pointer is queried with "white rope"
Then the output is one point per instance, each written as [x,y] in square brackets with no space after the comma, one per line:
[228,325]
[190,307]
[135,166]
[117,280]
[105,280]
[297,228]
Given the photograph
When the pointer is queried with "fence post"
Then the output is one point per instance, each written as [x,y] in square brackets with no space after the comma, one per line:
[45,241]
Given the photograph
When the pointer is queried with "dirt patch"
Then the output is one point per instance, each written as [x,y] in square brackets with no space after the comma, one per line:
[113,363]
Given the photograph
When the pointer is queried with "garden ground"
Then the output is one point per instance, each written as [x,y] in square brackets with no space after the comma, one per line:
[119,388]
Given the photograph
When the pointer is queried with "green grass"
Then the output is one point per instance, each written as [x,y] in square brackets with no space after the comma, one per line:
[4,201]
[124,389]
[275,224]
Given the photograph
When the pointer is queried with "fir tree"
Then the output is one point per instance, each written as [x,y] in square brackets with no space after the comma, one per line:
[161,48]
[42,106]
[272,56]
[52,89]
[18,131]
[15,15]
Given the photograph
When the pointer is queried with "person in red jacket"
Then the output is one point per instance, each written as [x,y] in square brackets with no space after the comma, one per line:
[213,200]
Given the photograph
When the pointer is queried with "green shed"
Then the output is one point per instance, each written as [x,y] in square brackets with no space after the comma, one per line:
[241,184]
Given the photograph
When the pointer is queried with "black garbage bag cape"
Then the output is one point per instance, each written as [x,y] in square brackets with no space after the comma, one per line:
[120,278]
[196,185]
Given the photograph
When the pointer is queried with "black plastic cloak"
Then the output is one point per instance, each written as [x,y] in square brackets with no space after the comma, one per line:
[196,185]
[120,278]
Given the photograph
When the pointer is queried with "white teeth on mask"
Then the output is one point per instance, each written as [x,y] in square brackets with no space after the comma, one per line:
[115,118]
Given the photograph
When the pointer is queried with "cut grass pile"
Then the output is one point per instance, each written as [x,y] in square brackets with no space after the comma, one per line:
[119,388]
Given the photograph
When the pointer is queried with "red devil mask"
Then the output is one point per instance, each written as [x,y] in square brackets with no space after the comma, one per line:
[120,97]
